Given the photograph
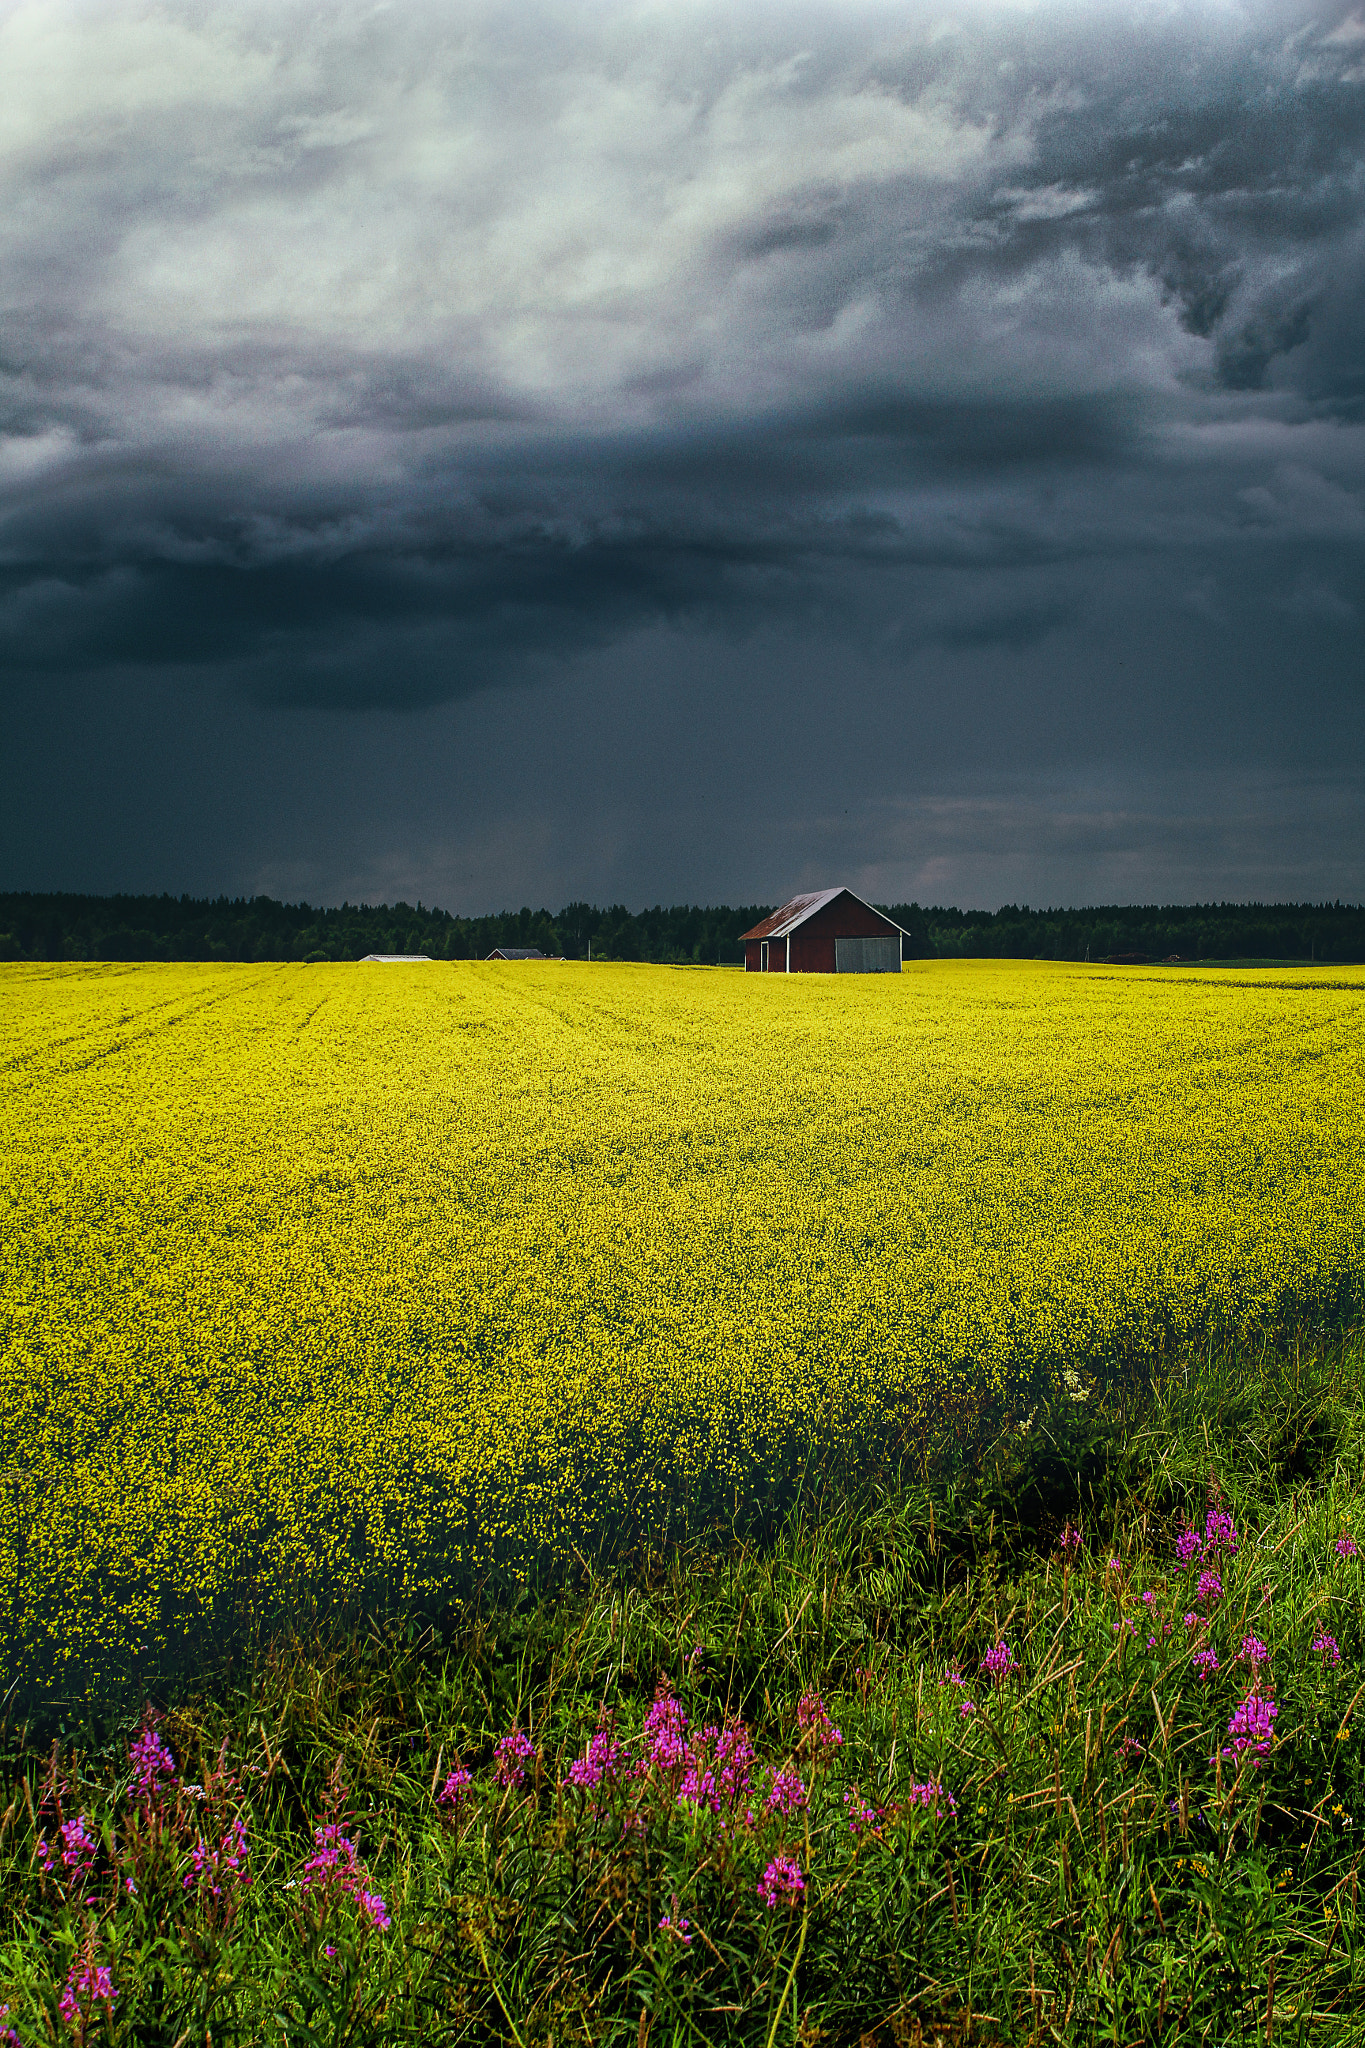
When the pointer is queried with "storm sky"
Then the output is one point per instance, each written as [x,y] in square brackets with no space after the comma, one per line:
[670,452]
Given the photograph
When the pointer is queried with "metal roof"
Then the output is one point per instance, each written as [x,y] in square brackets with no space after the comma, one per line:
[516,953]
[800,908]
[395,959]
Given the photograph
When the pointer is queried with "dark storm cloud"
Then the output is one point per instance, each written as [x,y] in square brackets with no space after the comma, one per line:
[380,359]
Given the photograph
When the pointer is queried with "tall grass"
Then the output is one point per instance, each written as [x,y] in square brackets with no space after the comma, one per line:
[1109,1846]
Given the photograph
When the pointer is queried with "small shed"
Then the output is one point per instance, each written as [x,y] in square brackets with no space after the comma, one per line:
[517,953]
[830,931]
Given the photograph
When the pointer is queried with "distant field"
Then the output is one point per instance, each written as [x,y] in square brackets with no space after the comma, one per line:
[318,1281]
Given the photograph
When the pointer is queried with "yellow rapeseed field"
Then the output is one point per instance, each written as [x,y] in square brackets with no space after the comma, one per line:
[322,1282]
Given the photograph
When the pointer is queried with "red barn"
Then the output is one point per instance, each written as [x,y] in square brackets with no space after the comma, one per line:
[831,931]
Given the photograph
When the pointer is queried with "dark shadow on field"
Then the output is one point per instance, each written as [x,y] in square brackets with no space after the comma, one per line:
[966,1490]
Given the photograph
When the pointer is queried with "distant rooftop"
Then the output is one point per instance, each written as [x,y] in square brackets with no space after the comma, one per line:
[395,959]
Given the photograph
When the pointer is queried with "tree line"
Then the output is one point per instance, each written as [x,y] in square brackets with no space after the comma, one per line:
[71,927]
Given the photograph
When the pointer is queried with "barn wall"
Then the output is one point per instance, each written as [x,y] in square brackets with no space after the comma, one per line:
[847,919]
[812,952]
[752,956]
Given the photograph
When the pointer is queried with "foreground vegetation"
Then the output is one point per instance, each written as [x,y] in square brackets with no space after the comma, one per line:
[341,1287]
[1062,1744]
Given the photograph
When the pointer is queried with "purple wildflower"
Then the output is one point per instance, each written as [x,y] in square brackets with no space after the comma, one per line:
[1253,1652]
[374,1909]
[665,1733]
[1205,1662]
[88,1985]
[511,1757]
[967,1707]
[1345,1546]
[334,1863]
[1000,1662]
[1070,1538]
[8,2037]
[1252,1726]
[153,1765]
[678,1927]
[786,1795]
[1187,1546]
[860,1814]
[72,1864]
[1149,1598]
[454,1792]
[781,1880]
[931,1794]
[604,1759]
[1327,1648]
[1115,1564]
[1219,1533]
[214,1870]
[1192,1621]
[1210,1587]
[734,1760]
[812,1718]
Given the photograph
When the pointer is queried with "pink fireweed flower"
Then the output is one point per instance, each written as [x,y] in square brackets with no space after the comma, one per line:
[812,1718]
[967,1707]
[1219,1533]
[1115,1564]
[1192,1621]
[511,1757]
[952,1676]
[454,1792]
[1070,1538]
[1205,1662]
[335,1871]
[673,1923]
[603,1760]
[734,1761]
[1327,1649]
[88,1985]
[932,1795]
[786,1794]
[375,1911]
[1210,1587]
[1187,1546]
[1000,1662]
[1149,1598]
[1253,1652]
[73,1862]
[334,1863]
[665,1734]
[860,1814]
[153,1765]
[1252,1726]
[1345,1547]
[781,1880]
[215,1871]
[8,2037]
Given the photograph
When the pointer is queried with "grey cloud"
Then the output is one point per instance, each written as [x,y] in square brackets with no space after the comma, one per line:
[386,361]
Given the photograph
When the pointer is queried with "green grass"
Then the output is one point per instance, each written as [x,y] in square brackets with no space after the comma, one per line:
[1105,1873]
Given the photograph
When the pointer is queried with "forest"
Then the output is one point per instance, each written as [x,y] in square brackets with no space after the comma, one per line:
[243,929]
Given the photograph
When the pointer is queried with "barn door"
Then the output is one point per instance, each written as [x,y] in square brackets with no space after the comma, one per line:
[867,956]
[763,957]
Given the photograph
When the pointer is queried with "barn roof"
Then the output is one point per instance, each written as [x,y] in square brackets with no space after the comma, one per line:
[800,908]
[396,959]
[516,953]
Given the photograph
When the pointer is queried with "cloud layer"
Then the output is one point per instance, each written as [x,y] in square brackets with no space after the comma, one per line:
[1010,363]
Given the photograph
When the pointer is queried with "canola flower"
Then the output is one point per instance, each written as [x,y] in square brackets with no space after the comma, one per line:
[330,1285]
